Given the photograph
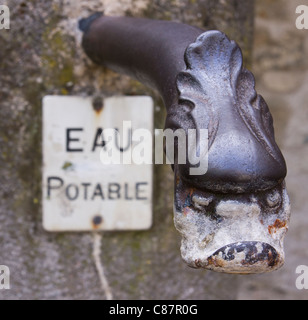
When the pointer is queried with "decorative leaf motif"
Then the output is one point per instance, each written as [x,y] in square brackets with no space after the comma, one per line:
[215,73]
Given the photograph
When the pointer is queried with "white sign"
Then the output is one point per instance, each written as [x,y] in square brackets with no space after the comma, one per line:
[4,278]
[81,193]
[4,17]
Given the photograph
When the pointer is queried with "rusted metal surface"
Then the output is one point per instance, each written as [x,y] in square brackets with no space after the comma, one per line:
[234,233]
[252,254]
[96,222]
[234,217]
[98,104]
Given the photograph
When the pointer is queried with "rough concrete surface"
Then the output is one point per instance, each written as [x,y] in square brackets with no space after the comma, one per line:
[41,55]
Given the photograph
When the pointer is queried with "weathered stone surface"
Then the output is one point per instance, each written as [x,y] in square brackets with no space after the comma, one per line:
[283,81]
[41,55]
[280,66]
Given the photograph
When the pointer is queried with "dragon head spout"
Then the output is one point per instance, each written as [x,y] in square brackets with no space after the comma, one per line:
[232,218]
[233,233]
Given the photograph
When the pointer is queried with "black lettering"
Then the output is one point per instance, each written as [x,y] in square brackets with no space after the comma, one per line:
[126,192]
[98,192]
[69,139]
[129,140]
[138,184]
[68,194]
[99,139]
[52,187]
[115,190]
[85,193]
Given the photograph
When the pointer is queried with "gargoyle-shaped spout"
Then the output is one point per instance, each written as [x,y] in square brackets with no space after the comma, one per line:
[232,218]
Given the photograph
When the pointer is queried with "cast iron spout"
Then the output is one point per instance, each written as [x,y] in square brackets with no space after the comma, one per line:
[233,217]
[150,51]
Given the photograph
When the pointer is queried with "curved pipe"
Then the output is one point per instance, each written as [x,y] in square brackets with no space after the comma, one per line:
[150,51]
[187,66]
[233,217]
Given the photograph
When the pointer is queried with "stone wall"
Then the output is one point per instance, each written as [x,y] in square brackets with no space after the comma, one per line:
[281,70]
[41,55]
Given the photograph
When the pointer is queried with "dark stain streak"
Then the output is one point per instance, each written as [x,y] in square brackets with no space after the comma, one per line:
[97,104]
[255,252]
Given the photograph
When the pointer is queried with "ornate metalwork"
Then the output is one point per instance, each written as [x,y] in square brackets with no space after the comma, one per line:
[234,217]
